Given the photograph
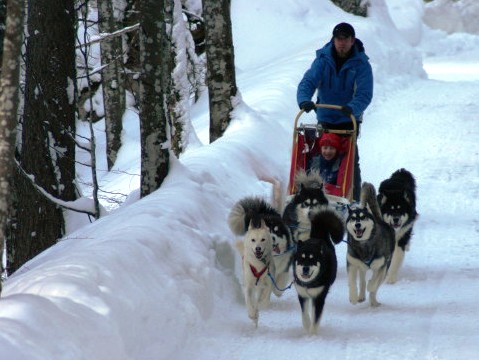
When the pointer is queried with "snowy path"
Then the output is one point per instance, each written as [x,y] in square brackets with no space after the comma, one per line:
[431,129]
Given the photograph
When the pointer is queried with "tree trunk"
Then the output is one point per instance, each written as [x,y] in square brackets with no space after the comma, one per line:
[185,79]
[221,79]
[153,93]
[3,19]
[112,80]
[356,7]
[48,148]
[9,85]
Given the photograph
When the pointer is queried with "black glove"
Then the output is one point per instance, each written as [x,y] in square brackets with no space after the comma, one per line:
[346,110]
[307,106]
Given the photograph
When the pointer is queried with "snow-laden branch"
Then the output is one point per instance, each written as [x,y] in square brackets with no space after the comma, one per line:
[105,36]
[82,205]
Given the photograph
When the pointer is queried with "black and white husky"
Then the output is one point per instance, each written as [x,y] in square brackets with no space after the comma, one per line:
[370,247]
[397,199]
[283,249]
[315,266]
[266,251]
[308,199]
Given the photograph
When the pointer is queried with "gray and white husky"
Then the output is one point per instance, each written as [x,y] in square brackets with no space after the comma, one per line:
[397,199]
[370,247]
[315,266]
[309,198]
[266,251]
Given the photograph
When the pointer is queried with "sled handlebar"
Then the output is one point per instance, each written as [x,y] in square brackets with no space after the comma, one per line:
[329,106]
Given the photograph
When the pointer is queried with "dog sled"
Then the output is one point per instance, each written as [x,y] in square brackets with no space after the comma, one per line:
[306,140]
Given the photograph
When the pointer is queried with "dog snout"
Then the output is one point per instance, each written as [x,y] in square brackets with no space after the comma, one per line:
[258,248]
[357,225]
[305,270]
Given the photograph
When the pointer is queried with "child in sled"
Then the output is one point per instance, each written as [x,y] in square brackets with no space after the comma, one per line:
[329,159]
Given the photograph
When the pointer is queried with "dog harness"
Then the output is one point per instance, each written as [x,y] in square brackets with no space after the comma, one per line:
[257,274]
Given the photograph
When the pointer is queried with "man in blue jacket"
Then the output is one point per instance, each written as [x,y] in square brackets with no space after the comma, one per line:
[341,75]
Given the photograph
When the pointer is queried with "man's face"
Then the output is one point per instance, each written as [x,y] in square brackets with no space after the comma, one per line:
[343,45]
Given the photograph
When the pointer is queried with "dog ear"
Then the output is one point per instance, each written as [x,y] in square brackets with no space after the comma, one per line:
[299,244]
[382,199]
[406,197]
[369,208]
[263,225]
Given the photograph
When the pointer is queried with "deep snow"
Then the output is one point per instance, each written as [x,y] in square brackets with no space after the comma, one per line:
[158,278]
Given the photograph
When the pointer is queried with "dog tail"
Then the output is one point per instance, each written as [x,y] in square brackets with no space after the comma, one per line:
[240,247]
[405,177]
[249,209]
[369,199]
[400,181]
[310,179]
[327,223]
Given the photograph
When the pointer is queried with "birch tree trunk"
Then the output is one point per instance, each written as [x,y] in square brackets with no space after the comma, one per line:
[112,80]
[221,78]
[47,149]
[9,85]
[155,86]
[186,78]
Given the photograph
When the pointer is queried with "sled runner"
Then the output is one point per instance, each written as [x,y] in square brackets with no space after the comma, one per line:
[306,139]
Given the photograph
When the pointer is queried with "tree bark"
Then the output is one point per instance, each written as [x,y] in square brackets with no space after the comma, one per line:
[186,78]
[153,94]
[47,149]
[3,20]
[112,80]
[221,78]
[9,103]
[356,7]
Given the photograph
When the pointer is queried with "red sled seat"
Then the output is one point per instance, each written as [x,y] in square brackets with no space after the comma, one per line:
[307,146]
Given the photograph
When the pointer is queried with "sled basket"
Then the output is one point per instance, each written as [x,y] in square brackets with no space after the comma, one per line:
[306,140]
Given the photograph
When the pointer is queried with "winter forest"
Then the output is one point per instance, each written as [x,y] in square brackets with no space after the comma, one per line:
[122,121]
[77,65]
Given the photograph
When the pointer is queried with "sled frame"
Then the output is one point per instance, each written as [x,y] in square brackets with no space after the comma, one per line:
[351,151]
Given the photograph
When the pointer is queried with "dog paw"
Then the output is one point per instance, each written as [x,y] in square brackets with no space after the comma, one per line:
[391,280]
[361,299]
[313,329]
[373,301]
[353,299]
[254,315]
[278,293]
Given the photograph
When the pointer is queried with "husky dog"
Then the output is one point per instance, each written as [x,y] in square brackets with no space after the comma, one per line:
[308,199]
[283,249]
[266,243]
[315,266]
[370,246]
[397,199]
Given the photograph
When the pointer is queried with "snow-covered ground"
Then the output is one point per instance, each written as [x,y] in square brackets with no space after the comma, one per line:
[158,278]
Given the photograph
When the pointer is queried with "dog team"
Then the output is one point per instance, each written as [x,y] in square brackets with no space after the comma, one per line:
[378,230]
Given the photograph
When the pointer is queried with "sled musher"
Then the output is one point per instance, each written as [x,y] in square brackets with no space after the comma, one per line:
[306,140]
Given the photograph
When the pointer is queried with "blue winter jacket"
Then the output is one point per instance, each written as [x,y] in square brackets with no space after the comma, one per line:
[352,86]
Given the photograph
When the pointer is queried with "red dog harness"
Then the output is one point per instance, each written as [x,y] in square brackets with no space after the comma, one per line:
[257,274]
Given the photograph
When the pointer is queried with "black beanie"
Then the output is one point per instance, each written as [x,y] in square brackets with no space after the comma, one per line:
[344,29]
